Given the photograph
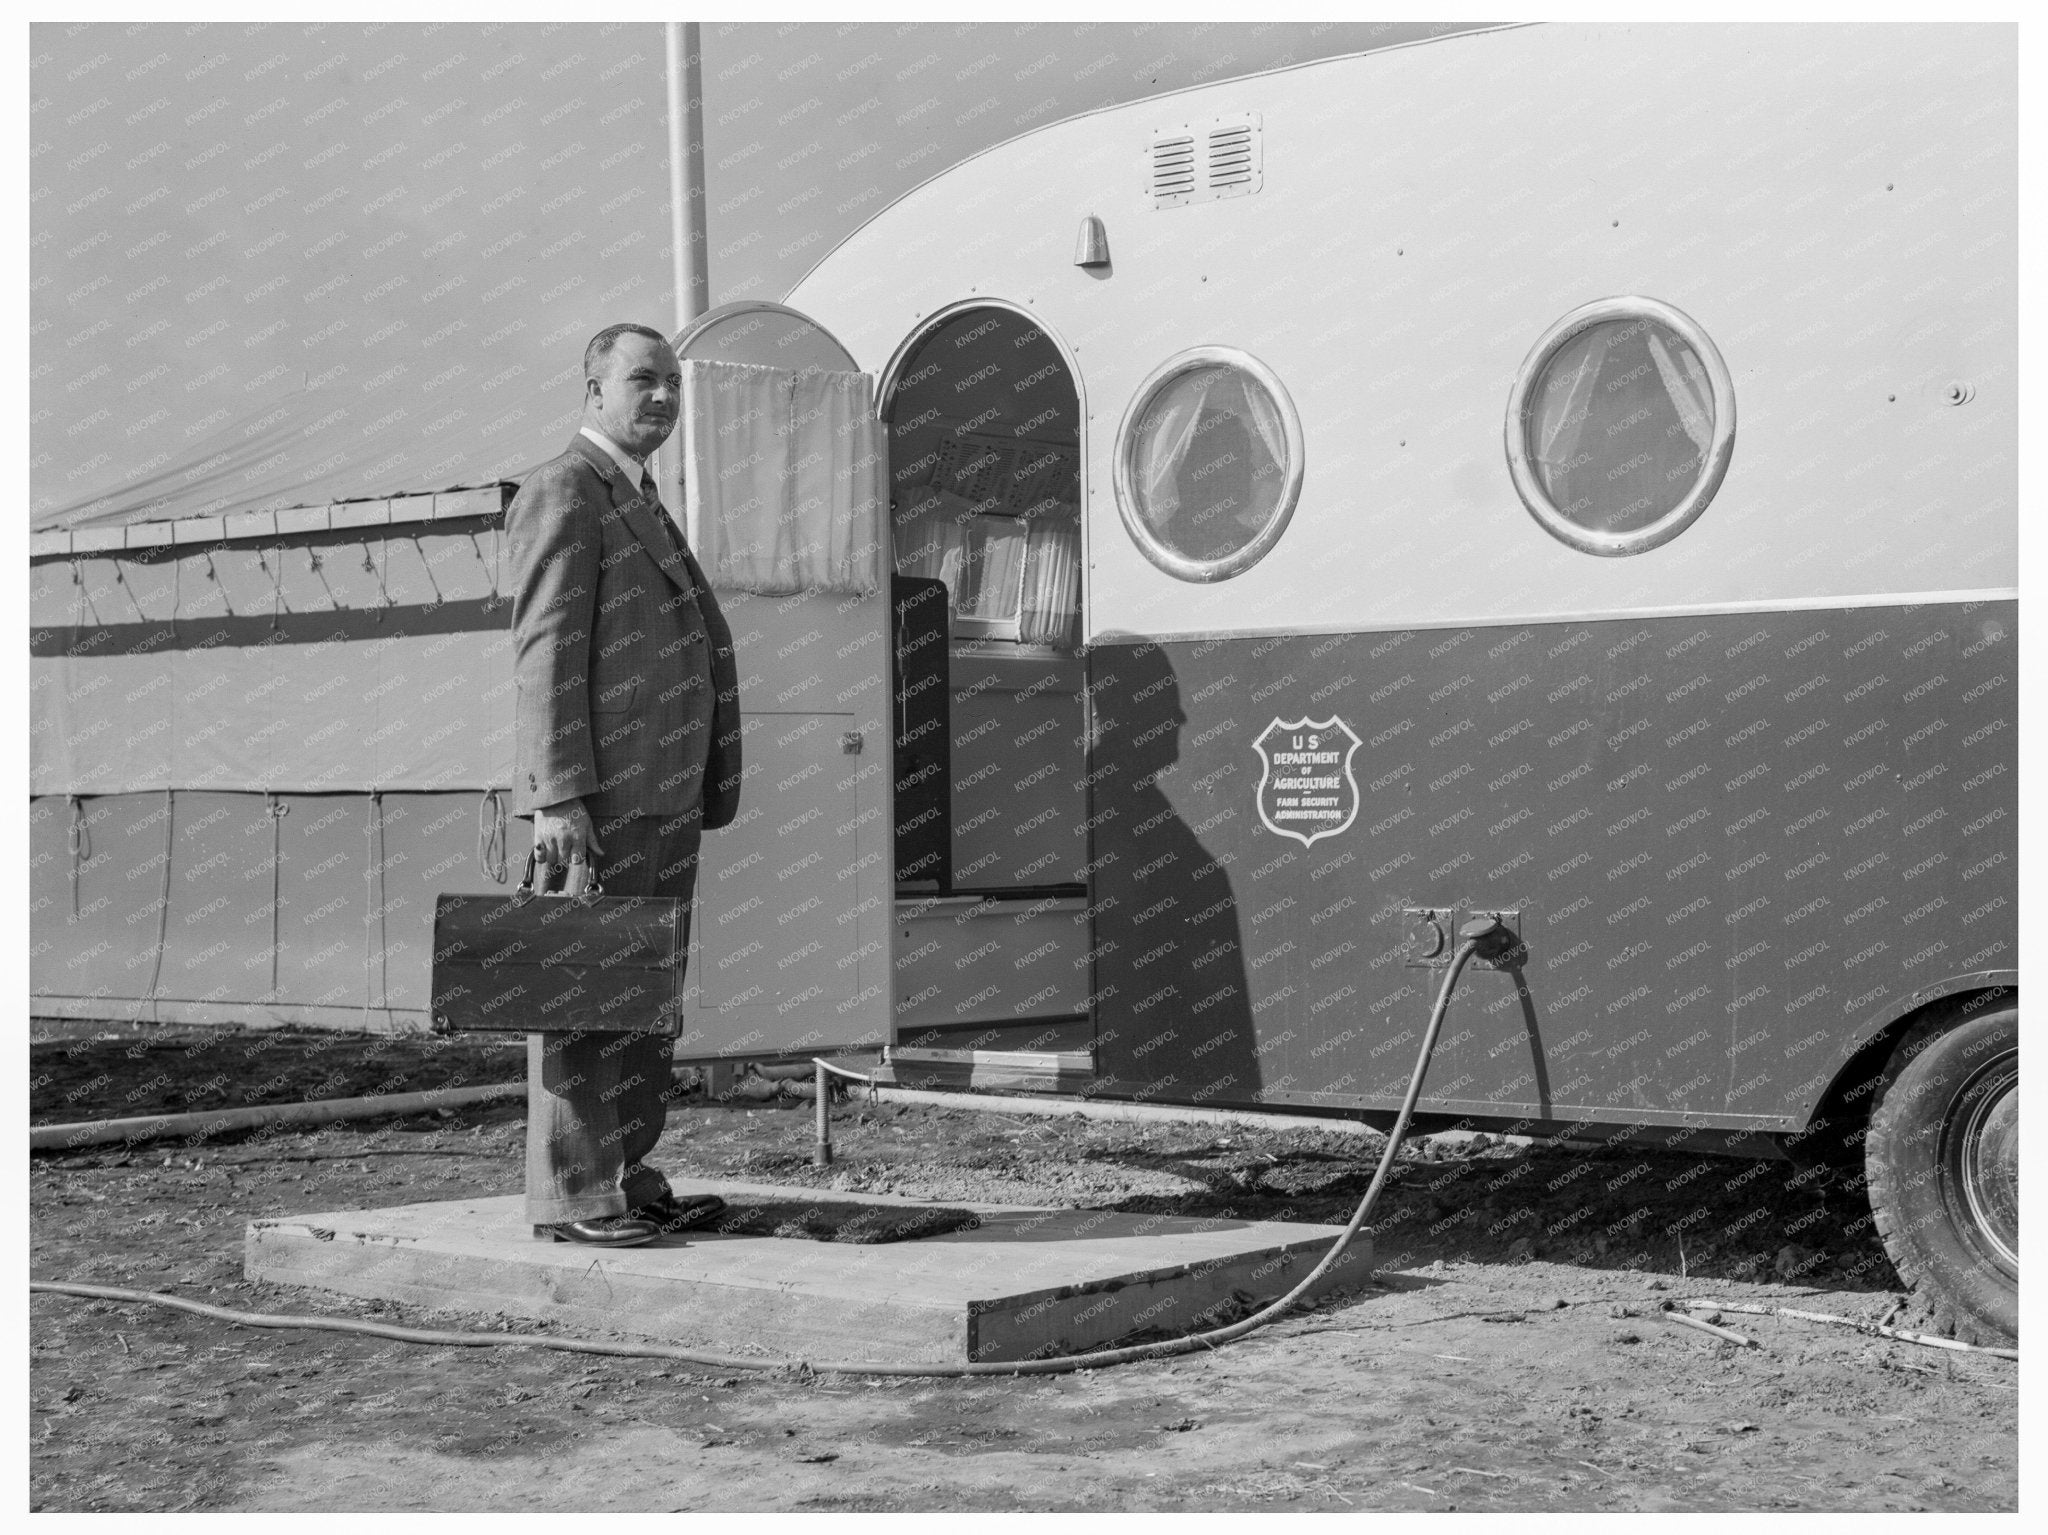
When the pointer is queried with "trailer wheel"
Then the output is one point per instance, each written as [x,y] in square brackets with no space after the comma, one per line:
[1942,1159]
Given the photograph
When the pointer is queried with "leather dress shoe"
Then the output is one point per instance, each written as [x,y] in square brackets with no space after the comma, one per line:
[677,1212]
[603,1231]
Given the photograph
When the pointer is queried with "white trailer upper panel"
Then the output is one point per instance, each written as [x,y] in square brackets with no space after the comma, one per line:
[1831,206]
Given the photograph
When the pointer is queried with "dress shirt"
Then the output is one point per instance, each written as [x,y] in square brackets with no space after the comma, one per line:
[636,475]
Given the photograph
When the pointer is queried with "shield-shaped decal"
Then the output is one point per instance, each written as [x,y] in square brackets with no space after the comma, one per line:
[1306,789]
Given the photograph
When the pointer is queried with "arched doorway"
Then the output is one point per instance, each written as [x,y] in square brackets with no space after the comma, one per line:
[984,417]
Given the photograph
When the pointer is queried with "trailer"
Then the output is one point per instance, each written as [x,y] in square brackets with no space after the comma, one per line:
[1565,475]
[1561,472]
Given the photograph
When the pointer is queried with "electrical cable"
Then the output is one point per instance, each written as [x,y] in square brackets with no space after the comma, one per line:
[1472,936]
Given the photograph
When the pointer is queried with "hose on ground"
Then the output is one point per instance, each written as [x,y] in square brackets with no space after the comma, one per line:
[1472,936]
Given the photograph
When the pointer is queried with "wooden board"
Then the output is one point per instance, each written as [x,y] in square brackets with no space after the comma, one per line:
[1030,1071]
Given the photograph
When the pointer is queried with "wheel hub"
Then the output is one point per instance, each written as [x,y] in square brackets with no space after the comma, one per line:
[1988,1143]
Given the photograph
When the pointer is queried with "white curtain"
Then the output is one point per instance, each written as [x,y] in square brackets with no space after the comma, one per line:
[934,539]
[1563,415]
[1555,417]
[1691,393]
[942,536]
[998,548]
[788,475]
[1170,430]
[1052,581]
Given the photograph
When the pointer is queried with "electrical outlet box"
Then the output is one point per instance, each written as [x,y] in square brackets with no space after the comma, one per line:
[1431,936]
[1512,959]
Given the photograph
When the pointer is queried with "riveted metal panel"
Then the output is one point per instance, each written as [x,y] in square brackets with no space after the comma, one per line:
[1017,769]
[966,960]
[1411,241]
[791,939]
[1734,841]
[766,946]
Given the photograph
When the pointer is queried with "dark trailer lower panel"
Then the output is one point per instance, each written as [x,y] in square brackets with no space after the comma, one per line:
[1740,845]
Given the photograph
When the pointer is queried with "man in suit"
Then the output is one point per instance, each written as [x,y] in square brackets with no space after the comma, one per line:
[627,737]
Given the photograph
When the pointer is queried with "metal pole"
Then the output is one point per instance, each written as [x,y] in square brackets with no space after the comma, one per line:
[821,1154]
[686,170]
[687,237]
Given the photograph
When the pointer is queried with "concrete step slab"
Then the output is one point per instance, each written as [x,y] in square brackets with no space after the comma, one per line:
[1028,1280]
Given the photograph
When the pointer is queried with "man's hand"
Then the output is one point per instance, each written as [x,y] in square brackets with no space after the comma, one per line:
[563,836]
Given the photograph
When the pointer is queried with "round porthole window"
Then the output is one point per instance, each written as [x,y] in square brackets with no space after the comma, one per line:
[1620,425]
[1208,464]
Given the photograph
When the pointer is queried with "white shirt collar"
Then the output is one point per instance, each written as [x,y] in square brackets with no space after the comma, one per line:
[629,466]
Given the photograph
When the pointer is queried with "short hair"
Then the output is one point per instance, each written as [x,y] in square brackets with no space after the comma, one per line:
[601,344]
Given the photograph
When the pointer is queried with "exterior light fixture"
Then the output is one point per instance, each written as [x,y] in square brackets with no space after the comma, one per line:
[1092,247]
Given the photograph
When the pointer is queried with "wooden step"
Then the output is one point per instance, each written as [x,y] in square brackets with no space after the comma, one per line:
[1009,1071]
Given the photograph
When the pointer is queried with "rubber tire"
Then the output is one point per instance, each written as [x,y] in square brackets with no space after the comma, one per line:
[1837,1146]
[1910,1161]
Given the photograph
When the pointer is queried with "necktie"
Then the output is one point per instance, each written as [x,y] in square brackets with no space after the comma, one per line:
[668,522]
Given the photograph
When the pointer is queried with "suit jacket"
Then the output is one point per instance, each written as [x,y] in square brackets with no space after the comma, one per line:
[627,685]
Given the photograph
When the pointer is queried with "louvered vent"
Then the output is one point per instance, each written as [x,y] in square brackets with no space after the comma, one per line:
[1199,162]
[1233,160]
[1173,171]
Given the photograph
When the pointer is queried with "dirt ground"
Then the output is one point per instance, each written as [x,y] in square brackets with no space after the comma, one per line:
[1512,1357]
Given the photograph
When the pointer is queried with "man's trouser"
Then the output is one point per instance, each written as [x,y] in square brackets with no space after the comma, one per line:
[595,1102]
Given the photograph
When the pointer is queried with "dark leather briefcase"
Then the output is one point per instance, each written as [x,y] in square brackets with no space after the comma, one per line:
[531,963]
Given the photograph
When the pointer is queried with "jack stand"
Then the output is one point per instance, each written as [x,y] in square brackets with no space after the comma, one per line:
[821,1153]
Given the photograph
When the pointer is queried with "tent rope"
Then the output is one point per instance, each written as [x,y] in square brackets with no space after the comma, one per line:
[491,563]
[490,835]
[163,922]
[333,602]
[277,814]
[426,565]
[276,583]
[373,827]
[371,567]
[82,599]
[121,580]
[79,839]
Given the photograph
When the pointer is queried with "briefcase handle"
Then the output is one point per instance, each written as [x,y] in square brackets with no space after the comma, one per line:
[526,892]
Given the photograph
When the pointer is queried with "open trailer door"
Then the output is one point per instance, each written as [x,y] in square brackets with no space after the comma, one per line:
[780,463]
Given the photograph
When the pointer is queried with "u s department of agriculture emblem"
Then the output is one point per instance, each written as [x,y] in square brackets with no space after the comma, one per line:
[1306,789]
